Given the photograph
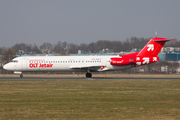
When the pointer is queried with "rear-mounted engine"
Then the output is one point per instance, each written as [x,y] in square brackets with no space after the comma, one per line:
[120,61]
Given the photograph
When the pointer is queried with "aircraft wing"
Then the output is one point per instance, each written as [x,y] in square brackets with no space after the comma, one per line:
[90,67]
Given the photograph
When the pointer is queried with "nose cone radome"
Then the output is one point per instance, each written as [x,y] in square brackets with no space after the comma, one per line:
[7,66]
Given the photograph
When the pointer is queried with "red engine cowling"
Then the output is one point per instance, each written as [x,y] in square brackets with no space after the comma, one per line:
[120,61]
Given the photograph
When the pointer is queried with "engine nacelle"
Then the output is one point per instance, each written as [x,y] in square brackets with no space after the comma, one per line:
[122,61]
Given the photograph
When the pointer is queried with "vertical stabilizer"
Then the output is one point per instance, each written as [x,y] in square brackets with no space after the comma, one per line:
[153,47]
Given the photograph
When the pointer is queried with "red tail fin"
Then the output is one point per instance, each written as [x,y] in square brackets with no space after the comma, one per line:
[153,47]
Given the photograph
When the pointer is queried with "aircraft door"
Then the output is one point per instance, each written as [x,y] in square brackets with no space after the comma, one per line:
[24,64]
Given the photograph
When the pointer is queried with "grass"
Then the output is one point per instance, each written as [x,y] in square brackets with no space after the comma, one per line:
[91,99]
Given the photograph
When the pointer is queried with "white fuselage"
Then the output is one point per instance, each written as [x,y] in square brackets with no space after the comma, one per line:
[89,63]
[63,63]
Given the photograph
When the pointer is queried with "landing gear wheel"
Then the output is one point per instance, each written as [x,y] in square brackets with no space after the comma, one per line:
[21,75]
[88,75]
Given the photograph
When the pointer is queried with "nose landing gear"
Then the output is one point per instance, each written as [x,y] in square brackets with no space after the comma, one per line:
[21,75]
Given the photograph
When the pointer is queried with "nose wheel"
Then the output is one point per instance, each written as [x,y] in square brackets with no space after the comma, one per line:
[88,75]
[21,75]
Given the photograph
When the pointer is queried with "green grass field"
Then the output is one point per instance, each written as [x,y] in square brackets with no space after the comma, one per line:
[90,99]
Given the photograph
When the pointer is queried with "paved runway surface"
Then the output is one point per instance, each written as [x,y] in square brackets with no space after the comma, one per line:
[81,78]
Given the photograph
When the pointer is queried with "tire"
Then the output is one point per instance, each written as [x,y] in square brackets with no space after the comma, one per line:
[21,75]
[88,75]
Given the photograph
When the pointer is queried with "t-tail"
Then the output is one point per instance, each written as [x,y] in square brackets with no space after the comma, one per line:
[153,47]
[149,54]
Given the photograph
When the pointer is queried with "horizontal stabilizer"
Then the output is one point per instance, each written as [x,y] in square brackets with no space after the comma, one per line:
[162,39]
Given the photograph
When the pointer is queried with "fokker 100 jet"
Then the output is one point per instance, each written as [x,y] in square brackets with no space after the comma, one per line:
[89,64]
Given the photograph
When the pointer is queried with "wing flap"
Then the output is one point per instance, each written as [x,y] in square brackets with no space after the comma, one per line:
[85,66]
[89,67]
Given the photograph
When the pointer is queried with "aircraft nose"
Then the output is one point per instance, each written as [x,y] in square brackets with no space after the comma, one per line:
[7,66]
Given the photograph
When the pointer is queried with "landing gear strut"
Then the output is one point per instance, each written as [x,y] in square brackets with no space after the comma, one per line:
[88,75]
[21,75]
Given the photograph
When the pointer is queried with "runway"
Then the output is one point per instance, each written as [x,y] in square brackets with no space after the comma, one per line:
[80,78]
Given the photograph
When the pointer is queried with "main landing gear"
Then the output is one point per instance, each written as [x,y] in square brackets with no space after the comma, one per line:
[21,75]
[88,75]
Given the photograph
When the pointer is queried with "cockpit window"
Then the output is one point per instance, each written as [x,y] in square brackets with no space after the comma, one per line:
[14,61]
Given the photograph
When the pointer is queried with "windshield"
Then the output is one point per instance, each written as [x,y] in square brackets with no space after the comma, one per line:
[14,61]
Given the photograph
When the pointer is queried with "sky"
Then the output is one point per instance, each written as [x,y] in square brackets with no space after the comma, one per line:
[86,21]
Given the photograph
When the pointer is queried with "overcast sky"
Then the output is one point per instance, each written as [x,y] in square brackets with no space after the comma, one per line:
[85,21]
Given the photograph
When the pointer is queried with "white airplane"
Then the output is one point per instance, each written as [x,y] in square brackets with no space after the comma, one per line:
[149,54]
